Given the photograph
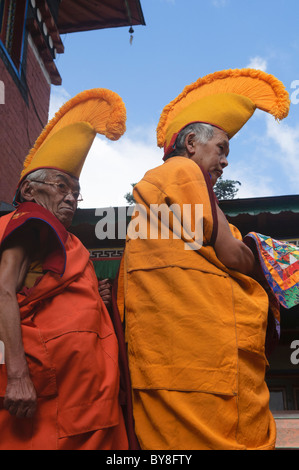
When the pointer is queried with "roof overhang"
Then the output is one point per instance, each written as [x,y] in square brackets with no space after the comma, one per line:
[87,15]
[258,205]
[46,23]
[276,216]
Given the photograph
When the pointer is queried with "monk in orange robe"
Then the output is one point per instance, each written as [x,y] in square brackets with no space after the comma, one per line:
[196,317]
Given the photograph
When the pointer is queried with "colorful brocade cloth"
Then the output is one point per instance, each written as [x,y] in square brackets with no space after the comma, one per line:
[280,264]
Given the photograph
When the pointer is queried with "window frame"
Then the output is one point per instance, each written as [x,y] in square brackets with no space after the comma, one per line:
[18,44]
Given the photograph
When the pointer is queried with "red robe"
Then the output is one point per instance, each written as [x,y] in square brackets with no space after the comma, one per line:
[71,349]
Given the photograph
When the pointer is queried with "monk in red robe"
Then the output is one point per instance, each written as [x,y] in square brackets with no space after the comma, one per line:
[60,384]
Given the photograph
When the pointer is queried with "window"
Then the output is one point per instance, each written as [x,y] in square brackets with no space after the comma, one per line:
[12,28]
[277,399]
[294,241]
[284,392]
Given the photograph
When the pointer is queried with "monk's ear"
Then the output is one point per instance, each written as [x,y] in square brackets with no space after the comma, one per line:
[189,143]
[27,191]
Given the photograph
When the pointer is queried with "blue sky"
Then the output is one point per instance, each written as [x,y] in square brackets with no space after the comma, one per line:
[182,41]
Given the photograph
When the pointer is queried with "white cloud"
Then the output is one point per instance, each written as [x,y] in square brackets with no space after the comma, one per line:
[220,3]
[111,168]
[268,167]
[254,181]
[258,63]
[58,97]
[285,151]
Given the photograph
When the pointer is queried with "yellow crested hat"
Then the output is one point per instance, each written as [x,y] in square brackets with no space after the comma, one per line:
[225,99]
[66,140]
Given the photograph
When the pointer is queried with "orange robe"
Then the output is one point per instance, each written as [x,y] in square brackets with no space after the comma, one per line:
[71,350]
[195,329]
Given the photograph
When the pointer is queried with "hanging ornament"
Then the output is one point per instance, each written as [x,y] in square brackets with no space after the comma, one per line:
[131,31]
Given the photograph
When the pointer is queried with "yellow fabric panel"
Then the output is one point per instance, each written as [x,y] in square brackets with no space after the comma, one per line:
[66,150]
[226,99]
[76,124]
[174,340]
[35,271]
[120,290]
[180,182]
[210,110]
[204,421]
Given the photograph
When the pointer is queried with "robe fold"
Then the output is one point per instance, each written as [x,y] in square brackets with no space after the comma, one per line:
[70,347]
[195,329]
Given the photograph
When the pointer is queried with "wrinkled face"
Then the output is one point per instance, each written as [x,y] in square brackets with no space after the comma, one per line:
[211,156]
[59,198]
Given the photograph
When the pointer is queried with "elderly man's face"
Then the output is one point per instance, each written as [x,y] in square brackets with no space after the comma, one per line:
[211,156]
[51,197]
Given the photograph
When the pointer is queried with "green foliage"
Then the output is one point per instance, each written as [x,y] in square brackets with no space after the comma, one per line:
[129,196]
[226,189]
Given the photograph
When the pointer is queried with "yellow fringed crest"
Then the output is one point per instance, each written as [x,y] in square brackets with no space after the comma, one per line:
[99,109]
[248,88]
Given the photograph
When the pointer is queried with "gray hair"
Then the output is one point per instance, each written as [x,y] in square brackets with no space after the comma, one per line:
[39,175]
[203,133]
